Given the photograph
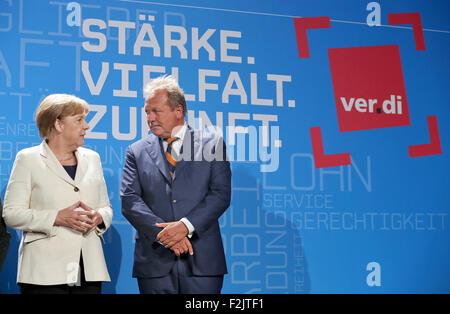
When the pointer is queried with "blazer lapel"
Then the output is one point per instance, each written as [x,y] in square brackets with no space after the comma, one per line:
[53,164]
[155,151]
[190,146]
[82,164]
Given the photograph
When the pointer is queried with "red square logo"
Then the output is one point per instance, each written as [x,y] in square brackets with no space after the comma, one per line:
[369,88]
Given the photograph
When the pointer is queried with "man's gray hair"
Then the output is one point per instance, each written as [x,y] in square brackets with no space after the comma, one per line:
[174,92]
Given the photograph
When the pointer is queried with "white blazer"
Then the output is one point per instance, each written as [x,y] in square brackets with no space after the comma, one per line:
[38,188]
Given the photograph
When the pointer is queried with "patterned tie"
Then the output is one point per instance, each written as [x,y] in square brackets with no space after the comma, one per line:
[170,156]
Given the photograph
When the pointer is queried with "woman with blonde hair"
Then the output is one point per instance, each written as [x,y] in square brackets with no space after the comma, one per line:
[57,195]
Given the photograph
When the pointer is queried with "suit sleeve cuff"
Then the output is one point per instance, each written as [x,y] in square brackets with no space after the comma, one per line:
[188,225]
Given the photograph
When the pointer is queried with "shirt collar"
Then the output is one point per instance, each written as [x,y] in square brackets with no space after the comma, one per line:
[181,132]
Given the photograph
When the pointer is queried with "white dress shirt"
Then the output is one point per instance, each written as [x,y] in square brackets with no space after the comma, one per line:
[176,147]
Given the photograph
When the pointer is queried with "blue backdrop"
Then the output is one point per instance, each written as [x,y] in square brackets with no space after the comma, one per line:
[337,186]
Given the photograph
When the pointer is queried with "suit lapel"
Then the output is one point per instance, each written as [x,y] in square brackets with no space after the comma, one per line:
[53,164]
[155,151]
[82,164]
[190,146]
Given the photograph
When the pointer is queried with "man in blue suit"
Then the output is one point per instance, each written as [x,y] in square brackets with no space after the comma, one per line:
[176,184]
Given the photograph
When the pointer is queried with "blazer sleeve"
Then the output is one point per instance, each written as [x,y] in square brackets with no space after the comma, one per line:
[105,209]
[16,210]
[218,197]
[135,210]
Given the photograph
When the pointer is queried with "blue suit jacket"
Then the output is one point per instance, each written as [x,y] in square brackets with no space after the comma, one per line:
[199,191]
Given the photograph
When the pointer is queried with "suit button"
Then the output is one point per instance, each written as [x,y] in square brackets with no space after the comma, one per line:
[76,189]
[174,201]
